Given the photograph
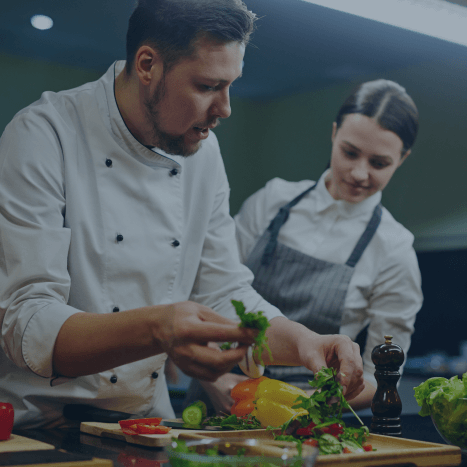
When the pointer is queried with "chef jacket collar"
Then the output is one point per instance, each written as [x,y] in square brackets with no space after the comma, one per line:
[150,156]
[324,201]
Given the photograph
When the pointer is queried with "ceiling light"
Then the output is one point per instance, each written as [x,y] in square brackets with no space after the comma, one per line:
[41,22]
[437,18]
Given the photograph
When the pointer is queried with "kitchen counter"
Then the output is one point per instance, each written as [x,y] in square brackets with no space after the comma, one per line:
[127,455]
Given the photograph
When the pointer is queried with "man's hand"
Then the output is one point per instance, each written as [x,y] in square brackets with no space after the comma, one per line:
[184,331]
[339,352]
[90,342]
[294,344]
[219,391]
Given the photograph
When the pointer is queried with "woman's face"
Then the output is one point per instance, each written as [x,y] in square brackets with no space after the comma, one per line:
[363,160]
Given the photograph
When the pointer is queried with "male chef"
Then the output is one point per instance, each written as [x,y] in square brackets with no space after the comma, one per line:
[116,244]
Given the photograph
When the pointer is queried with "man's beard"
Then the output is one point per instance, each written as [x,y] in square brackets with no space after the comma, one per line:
[170,144]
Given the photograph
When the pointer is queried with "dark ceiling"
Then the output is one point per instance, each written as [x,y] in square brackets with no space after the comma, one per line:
[297,45]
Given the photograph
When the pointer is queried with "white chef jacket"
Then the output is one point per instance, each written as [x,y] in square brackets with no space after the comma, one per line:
[91,220]
[385,289]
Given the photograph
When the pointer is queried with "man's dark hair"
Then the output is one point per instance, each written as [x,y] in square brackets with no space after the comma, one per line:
[389,104]
[174,26]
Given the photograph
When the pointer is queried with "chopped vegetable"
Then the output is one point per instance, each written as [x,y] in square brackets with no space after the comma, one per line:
[147,421]
[7,415]
[274,414]
[232,422]
[195,413]
[243,408]
[246,389]
[143,426]
[323,422]
[319,422]
[269,400]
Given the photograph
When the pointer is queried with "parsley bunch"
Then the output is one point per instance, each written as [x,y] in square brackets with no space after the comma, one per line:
[254,320]
[324,420]
[329,401]
[232,422]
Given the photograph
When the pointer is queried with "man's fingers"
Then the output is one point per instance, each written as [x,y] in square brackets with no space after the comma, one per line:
[351,371]
[207,363]
[352,394]
[204,332]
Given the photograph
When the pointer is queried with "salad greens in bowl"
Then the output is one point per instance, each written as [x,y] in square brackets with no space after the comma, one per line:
[445,400]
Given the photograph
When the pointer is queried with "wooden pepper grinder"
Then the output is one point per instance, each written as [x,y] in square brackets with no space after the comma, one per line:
[386,405]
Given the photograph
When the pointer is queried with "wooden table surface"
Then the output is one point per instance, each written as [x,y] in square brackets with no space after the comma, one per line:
[128,455]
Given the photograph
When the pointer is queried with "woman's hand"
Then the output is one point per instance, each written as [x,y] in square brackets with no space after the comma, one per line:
[219,391]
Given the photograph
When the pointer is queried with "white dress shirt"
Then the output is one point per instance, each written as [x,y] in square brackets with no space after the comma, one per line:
[91,220]
[385,289]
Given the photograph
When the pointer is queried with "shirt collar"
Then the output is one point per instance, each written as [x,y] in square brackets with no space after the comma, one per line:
[152,157]
[324,201]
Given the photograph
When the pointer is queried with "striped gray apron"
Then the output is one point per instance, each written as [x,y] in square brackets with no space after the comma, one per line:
[307,290]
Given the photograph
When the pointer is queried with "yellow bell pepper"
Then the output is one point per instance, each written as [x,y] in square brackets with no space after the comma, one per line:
[272,401]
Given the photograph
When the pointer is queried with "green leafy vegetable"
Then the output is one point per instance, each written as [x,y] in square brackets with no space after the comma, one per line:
[254,320]
[232,422]
[324,420]
[446,401]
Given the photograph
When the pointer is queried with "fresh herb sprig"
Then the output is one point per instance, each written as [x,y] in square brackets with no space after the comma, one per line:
[330,390]
[232,422]
[254,320]
[325,407]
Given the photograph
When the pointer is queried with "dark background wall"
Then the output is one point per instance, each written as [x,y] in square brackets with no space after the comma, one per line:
[287,134]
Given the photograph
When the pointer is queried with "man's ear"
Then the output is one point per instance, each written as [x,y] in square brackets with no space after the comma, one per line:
[334,131]
[148,65]
[404,157]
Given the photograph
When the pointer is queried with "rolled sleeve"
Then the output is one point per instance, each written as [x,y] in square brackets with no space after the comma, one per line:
[39,337]
[34,243]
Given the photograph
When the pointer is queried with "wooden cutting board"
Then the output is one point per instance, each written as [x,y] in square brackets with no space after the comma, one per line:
[389,451]
[20,443]
[112,430]
[19,451]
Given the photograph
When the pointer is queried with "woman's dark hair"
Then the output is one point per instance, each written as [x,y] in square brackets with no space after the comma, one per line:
[389,104]
[174,26]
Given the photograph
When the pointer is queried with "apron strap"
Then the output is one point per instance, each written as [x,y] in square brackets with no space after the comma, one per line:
[366,236]
[277,223]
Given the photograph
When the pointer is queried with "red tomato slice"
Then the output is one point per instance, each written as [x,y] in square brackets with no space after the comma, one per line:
[143,429]
[129,431]
[152,430]
[242,408]
[367,447]
[311,442]
[346,451]
[145,421]
[304,431]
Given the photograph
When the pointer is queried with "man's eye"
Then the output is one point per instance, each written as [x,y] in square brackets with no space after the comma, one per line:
[350,153]
[207,88]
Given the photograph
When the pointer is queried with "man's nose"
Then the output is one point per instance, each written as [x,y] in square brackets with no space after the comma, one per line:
[222,104]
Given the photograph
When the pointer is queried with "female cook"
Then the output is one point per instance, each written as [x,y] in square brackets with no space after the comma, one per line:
[327,253]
